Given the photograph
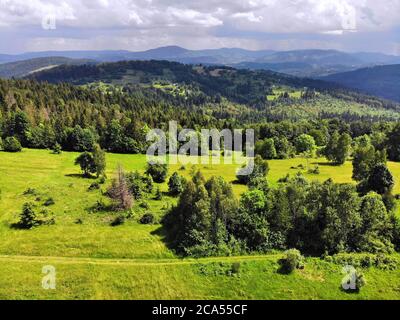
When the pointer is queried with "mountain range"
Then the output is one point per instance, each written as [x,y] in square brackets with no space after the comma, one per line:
[381,81]
[307,63]
[373,73]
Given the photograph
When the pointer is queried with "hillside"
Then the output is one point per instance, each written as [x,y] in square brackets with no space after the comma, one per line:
[302,62]
[382,81]
[260,89]
[23,68]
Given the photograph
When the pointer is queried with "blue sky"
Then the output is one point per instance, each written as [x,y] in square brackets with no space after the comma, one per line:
[348,25]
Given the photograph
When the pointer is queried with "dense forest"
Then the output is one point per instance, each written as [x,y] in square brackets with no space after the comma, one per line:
[116,104]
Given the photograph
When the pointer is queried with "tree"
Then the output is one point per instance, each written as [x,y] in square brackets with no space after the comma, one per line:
[189,222]
[260,170]
[343,148]
[380,180]
[375,230]
[319,137]
[158,171]
[338,148]
[78,139]
[266,149]
[284,148]
[176,184]
[87,163]
[393,144]
[11,144]
[99,159]
[305,144]
[119,191]
[364,159]
[56,148]
[332,146]
[293,260]
[29,218]
[250,222]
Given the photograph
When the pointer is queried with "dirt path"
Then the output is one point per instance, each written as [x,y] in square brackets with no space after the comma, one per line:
[124,262]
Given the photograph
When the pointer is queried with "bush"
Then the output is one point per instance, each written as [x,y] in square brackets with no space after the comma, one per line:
[147,218]
[49,202]
[293,260]
[355,282]
[29,218]
[94,186]
[365,260]
[235,268]
[144,205]
[30,192]
[158,171]
[11,144]
[159,195]
[119,220]
[56,149]
[176,184]
[314,170]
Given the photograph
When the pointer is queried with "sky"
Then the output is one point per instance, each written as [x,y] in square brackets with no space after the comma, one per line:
[136,25]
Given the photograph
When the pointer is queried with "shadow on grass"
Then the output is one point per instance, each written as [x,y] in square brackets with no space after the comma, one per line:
[80,176]
[349,291]
[162,233]
[17,226]
[325,164]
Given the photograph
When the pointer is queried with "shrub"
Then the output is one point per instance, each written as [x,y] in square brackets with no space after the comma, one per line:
[119,220]
[235,268]
[147,218]
[158,171]
[11,144]
[176,184]
[99,206]
[49,202]
[29,218]
[144,205]
[119,191]
[355,282]
[56,149]
[94,186]
[159,195]
[293,260]
[30,192]
[314,170]
[86,162]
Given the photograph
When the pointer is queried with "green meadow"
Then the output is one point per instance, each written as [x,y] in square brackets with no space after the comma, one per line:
[96,261]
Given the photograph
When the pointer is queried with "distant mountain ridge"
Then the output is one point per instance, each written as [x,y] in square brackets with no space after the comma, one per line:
[23,68]
[308,63]
[381,81]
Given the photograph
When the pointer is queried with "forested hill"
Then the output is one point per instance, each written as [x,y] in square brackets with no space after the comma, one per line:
[382,81]
[215,84]
[19,69]
[240,86]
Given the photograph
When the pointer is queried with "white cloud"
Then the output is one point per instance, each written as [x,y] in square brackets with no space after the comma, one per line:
[157,22]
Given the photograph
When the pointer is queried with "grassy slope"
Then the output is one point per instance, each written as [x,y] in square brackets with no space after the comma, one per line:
[92,257]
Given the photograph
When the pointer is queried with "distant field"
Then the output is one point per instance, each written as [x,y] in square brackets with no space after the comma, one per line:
[96,261]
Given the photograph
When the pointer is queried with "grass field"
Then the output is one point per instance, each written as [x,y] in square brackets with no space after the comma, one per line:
[97,261]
